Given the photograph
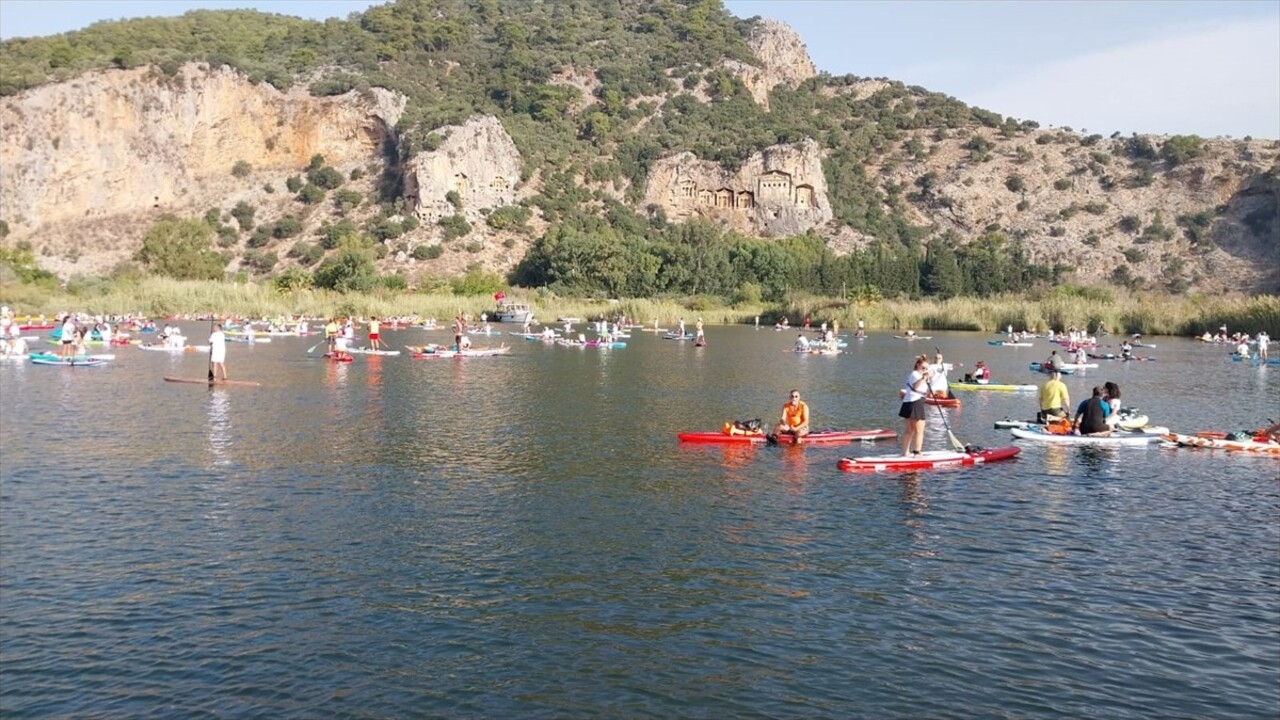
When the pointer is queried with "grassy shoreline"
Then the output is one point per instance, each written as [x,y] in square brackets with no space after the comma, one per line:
[1149,315]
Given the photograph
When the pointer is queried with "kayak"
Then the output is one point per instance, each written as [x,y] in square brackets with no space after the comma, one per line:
[997,387]
[1008,343]
[1251,446]
[207,381]
[942,402]
[72,362]
[1037,433]
[928,460]
[828,436]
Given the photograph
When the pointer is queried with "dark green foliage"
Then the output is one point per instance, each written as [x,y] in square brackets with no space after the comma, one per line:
[325,178]
[227,236]
[478,281]
[1181,148]
[260,237]
[243,212]
[311,195]
[22,263]
[293,279]
[286,227]
[1196,225]
[241,169]
[317,162]
[4,229]
[1134,255]
[347,200]
[427,252]
[181,249]
[1062,184]
[351,269]
[1015,183]
[1129,224]
[260,261]
[510,217]
[332,234]
[1138,147]
[293,183]
[455,226]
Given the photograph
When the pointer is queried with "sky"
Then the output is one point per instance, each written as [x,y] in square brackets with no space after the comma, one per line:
[1203,67]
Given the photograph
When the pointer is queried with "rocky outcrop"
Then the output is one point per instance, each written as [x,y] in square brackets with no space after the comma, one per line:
[112,143]
[477,162]
[783,60]
[778,192]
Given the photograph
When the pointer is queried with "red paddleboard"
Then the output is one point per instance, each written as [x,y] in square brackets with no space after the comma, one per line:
[944,402]
[339,358]
[831,436]
[928,460]
[207,381]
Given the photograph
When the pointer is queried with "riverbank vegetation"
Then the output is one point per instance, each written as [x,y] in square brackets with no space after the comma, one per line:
[1060,308]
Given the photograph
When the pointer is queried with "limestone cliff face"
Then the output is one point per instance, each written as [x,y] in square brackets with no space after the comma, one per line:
[782,56]
[778,192]
[111,144]
[477,160]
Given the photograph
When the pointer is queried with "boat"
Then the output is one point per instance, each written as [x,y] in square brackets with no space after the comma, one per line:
[1038,433]
[207,381]
[1009,343]
[1249,446]
[995,387]
[942,401]
[826,436]
[512,312]
[929,460]
[67,362]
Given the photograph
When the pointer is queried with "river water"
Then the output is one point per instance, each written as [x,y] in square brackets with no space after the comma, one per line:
[524,536]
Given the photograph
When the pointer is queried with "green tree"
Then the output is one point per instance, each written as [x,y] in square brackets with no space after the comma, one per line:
[350,270]
[181,249]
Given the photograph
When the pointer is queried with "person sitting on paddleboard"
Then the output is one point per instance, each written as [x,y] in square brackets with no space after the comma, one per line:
[802,343]
[1111,393]
[1126,350]
[1054,362]
[912,410]
[1054,399]
[795,418]
[1091,416]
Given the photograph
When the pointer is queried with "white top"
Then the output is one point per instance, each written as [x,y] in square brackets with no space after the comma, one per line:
[217,346]
[912,394]
[938,383]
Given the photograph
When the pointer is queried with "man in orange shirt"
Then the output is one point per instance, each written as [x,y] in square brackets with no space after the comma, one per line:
[795,418]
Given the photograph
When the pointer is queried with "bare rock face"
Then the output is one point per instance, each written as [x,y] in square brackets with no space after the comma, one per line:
[782,56]
[113,144]
[477,161]
[776,193]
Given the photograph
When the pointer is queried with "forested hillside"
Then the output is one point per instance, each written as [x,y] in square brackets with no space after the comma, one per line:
[928,196]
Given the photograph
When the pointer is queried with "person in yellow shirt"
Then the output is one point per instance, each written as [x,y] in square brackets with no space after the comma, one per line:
[795,418]
[1055,402]
[331,335]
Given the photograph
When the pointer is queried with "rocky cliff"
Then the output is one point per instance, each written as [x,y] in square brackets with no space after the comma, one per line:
[782,60]
[781,191]
[476,164]
[95,151]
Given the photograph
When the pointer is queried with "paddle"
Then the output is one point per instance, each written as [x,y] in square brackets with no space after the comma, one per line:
[211,349]
[313,347]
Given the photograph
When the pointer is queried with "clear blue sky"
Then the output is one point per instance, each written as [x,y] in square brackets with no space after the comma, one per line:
[1208,67]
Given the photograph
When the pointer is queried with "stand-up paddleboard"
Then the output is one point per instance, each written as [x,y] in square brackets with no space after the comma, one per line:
[339,357]
[914,337]
[207,381]
[994,387]
[928,460]
[1261,447]
[1009,343]
[1120,438]
[68,362]
[830,436]
[941,401]
[367,351]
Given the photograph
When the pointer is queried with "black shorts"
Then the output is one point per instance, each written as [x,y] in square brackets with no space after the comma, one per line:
[912,410]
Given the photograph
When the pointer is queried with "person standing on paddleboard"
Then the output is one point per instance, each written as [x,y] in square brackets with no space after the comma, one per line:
[795,418]
[912,410]
[217,353]
[375,343]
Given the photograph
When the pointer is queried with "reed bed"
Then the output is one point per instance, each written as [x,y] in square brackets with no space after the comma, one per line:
[1148,315]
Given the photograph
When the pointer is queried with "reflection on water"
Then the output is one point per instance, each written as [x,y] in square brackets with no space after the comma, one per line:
[219,426]
[523,536]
